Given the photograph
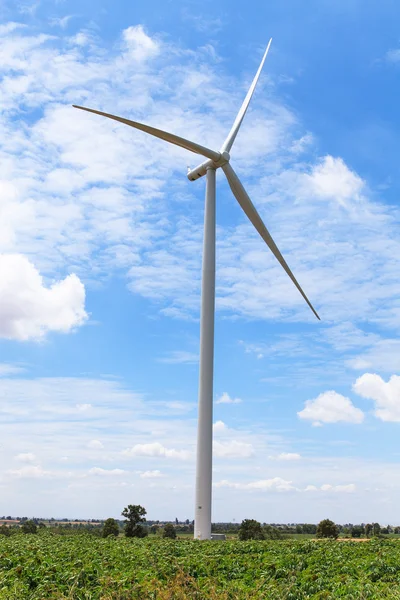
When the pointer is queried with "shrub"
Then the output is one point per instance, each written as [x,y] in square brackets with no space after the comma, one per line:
[4,530]
[29,527]
[169,531]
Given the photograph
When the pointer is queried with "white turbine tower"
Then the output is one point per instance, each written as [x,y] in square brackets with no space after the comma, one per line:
[215,161]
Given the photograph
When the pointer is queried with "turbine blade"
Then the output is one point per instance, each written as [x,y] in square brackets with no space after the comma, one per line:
[163,135]
[227,145]
[249,209]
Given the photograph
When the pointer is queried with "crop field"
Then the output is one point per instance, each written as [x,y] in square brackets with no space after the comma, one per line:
[43,566]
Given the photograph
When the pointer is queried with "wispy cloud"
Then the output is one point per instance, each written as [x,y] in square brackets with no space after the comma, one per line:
[73,203]
[286,456]
[277,484]
[60,21]
[179,357]
[393,56]
[97,221]
[203,22]
[7,369]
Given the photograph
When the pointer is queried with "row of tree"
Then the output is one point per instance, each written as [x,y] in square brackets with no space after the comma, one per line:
[249,529]
[134,518]
[328,529]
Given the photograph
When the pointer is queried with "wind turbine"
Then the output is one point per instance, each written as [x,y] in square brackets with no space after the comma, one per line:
[215,160]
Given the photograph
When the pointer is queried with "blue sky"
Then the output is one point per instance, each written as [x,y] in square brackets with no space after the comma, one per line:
[100,243]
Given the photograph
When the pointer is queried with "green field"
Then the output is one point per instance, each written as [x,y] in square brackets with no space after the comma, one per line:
[85,567]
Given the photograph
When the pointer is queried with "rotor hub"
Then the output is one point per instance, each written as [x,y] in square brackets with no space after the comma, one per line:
[201,169]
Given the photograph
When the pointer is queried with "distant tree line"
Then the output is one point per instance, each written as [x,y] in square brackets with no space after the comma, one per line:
[136,525]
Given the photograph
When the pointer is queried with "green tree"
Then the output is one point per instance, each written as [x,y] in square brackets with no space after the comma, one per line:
[327,529]
[110,528]
[169,531]
[357,531]
[134,515]
[368,529]
[4,530]
[271,533]
[309,528]
[29,527]
[384,530]
[250,530]
[376,529]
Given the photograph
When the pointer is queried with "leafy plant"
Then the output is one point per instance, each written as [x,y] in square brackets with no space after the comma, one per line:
[81,566]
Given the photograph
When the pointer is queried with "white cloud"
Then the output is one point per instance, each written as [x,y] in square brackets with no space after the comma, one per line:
[326,487]
[266,485]
[106,472]
[155,449]
[57,434]
[332,179]
[95,445]
[331,407]
[219,427]
[25,457]
[151,474]
[72,202]
[386,395]
[29,472]
[140,46]
[28,309]
[83,407]
[84,197]
[287,456]
[232,449]
[282,485]
[226,399]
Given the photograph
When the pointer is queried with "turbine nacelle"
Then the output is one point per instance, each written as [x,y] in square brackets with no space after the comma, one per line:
[201,169]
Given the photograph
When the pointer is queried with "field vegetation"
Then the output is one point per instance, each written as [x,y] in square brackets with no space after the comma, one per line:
[83,566]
